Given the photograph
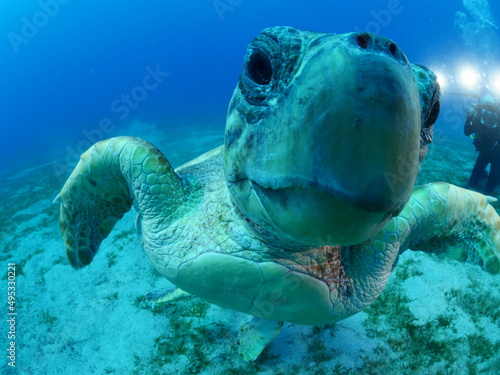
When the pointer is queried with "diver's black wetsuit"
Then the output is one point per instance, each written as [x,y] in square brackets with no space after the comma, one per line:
[484,121]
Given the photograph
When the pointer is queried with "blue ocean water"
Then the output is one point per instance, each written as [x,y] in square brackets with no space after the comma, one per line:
[64,63]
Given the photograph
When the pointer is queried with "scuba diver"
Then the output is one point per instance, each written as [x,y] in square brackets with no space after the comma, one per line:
[483,120]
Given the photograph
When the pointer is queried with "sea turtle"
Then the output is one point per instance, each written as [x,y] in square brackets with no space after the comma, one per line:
[301,215]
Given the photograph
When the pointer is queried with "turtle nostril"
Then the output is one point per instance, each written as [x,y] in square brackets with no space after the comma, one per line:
[376,44]
[363,40]
[393,48]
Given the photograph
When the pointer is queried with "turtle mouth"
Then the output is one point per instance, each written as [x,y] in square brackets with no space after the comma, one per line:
[306,212]
[372,199]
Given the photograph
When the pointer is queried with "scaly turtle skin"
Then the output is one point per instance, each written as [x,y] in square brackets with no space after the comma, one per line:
[301,214]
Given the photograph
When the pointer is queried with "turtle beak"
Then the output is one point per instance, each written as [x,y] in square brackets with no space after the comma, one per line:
[364,122]
[346,151]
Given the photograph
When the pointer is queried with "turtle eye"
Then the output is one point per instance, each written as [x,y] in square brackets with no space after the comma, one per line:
[259,68]
[433,115]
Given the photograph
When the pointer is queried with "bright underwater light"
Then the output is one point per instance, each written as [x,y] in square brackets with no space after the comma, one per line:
[441,79]
[495,83]
[469,77]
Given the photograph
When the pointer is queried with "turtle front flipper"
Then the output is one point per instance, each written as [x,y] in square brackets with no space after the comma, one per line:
[110,177]
[458,223]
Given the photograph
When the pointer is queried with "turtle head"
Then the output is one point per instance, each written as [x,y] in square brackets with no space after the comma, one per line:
[430,104]
[322,136]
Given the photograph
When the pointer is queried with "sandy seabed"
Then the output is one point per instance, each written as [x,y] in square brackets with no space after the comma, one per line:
[435,316]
